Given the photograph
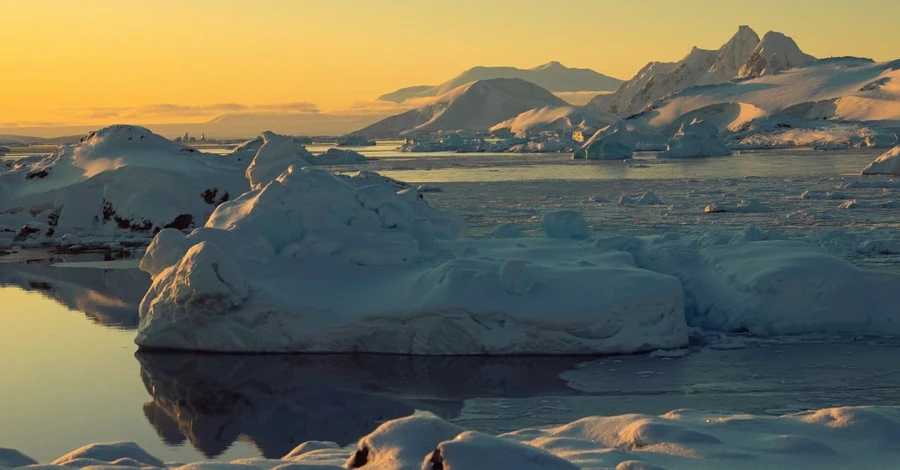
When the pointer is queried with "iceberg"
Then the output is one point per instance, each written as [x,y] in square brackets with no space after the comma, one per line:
[887,164]
[613,142]
[695,139]
[118,181]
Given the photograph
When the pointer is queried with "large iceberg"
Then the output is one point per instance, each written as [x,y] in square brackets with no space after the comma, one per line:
[695,139]
[270,270]
[886,164]
[613,142]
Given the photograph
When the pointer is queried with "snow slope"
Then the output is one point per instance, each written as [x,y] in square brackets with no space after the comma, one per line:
[118,179]
[553,76]
[832,438]
[565,118]
[474,106]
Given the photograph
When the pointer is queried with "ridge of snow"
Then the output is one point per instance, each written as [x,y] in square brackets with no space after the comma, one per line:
[774,53]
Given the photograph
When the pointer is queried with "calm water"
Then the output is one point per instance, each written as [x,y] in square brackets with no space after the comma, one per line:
[71,375]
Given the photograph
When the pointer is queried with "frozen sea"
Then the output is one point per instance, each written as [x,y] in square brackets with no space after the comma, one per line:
[71,374]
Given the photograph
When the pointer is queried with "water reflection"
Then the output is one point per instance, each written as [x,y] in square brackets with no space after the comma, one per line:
[109,297]
[279,401]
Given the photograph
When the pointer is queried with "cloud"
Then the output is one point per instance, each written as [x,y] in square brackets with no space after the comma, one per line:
[155,114]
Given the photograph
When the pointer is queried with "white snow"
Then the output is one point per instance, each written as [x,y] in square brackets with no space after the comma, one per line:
[831,438]
[888,163]
[695,139]
[610,143]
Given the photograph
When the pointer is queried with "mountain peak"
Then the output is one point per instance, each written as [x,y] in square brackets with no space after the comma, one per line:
[774,53]
[550,65]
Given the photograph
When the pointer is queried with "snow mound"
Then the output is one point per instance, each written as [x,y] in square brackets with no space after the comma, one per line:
[126,454]
[697,139]
[565,224]
[111,183]
[886,164]
[336,156]
[831,438]
[11,458]
[475,106]
[610,143]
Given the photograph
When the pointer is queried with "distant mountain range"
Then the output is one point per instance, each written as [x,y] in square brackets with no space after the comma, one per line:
[552,76]
[474,106]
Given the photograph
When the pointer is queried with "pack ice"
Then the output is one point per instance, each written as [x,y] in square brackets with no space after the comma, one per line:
[310,261]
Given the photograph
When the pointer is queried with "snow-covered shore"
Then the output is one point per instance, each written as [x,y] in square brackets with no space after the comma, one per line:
[833,438]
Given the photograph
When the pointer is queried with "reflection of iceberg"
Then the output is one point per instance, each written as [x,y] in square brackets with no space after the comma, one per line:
[277,402]
[109,297]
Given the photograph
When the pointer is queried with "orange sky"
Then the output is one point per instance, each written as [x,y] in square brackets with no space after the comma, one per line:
[92,61]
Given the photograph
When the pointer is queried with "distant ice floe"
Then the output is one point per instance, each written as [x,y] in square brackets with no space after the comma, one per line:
[610,143]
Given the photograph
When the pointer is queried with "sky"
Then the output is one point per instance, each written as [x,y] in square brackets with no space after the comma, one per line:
[101,61]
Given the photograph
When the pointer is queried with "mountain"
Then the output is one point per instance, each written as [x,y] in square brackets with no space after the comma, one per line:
[475,106]
[553,76]
[776,52]
[699,67]
[827,92]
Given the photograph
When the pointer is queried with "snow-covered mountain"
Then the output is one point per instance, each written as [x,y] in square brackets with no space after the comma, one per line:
[842,89]
[476,106]
[776,52]
[564,118]
[553,76]
[743,56]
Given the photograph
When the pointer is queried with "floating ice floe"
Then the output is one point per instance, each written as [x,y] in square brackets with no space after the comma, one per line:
[886,164]
[832,438]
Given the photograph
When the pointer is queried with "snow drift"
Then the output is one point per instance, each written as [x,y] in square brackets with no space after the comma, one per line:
[832,438]
[551,119]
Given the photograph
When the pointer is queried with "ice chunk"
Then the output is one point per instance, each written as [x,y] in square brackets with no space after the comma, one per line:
[613,142]
[110,453]
[888,163]
[696,139]
[565,224]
